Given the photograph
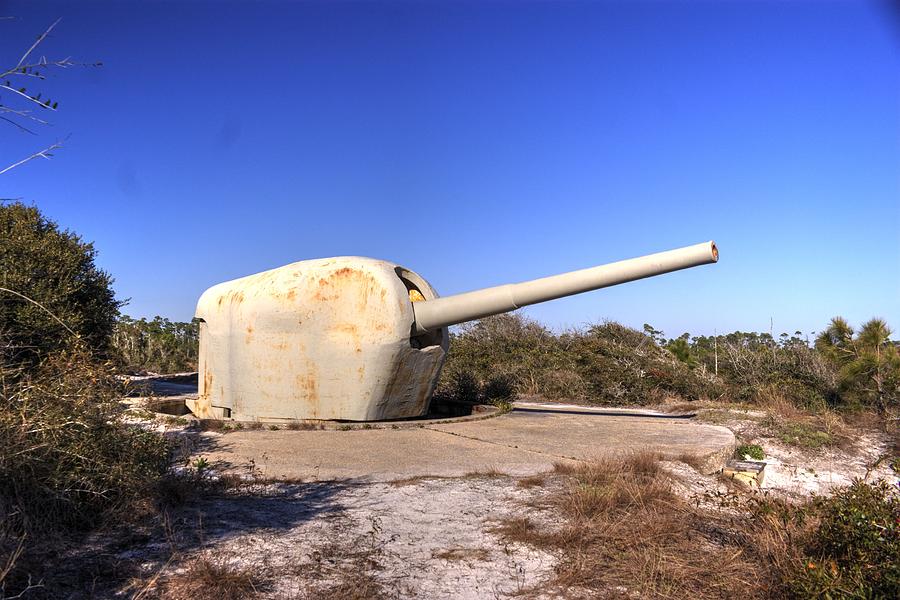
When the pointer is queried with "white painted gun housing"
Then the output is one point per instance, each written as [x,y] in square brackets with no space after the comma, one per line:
[358,339]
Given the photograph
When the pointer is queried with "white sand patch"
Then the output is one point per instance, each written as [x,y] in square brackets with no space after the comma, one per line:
[428,538]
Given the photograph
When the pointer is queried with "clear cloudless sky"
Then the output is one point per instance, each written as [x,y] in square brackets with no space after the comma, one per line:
[480,144]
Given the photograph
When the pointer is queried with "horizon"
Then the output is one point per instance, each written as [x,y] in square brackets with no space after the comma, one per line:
[482,144]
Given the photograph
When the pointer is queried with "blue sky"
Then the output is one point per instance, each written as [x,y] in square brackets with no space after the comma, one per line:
[480,144]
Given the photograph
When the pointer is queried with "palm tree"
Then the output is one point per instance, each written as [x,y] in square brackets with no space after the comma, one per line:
[869,363]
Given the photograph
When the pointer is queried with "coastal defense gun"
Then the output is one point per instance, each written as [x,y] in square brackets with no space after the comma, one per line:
[359,339]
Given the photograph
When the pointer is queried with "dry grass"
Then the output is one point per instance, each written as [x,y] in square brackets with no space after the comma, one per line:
[304,426]
[211,578]
[691,460]
[624,526]
[532,481]
[490,473]
[462,554]
[347,571]
[355,585]
[799,427]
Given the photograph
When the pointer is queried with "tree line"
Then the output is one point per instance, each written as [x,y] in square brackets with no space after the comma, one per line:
[609,363]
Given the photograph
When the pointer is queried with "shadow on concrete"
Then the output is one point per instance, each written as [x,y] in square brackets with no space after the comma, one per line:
[250,502]
[255,508]
[603,413]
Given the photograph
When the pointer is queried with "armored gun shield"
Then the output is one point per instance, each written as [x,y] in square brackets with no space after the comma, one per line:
[317,339]
[359,339]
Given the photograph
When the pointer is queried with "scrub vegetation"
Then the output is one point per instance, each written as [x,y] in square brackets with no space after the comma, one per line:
[611,364]
[68,462]
[626,533]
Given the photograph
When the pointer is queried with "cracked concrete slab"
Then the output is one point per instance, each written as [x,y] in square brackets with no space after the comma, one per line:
[526,441]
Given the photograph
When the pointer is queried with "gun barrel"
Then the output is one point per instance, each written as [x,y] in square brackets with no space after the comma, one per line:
[459,308]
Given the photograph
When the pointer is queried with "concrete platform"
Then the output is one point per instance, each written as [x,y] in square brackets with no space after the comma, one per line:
[526,441]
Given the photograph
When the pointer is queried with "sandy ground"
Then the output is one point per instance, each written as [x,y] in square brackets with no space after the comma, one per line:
[796,472]
[429,537]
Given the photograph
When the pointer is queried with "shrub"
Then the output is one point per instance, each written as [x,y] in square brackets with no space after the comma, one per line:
[754,367]
[805,435]
[459,385]
[42,264]
[68,458]
[854,550]
[519,348]
[607,363]
[68,461]
[499,388]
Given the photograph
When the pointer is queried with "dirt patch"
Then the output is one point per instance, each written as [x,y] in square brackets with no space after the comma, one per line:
[426,539]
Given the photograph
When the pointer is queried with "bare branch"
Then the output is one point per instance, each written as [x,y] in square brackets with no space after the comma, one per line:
[25,114]
[19,125]
[31,65]
[37,43]
[24,95]
[26,70]
[45,153]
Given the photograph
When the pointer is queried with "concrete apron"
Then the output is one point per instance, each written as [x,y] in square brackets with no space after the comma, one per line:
[526,441]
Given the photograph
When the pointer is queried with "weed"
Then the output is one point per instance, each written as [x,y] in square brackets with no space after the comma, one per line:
[211,578]
[462,554]
[754,451]
[503,406]
[623,526]
[804,435]
[532,481]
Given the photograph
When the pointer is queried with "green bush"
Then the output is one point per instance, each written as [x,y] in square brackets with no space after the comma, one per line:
[68,462]
[605,364]
[854,552]
[42,264]
[459,385]
[499,388]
